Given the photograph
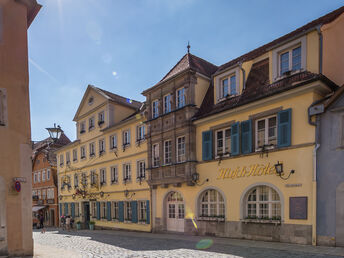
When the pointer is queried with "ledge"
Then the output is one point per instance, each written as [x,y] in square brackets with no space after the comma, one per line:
[211,219]
[261,221]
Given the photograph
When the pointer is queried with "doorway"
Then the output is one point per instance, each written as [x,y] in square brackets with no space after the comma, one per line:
[175,212]
[87,213]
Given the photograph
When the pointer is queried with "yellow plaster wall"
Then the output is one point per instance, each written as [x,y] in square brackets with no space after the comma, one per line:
[97,101]
[201,89]
[313,52]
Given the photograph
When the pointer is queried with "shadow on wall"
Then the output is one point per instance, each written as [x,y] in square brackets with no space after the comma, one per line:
[3,231]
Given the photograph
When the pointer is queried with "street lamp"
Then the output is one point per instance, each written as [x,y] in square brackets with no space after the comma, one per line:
[55,132]
[279,170]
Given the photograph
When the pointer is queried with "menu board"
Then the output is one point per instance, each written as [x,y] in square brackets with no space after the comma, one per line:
[298,207]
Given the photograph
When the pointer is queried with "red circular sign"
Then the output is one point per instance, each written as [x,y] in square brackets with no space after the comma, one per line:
[17,186]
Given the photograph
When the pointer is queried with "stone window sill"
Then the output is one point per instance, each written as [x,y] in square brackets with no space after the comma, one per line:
[262,221]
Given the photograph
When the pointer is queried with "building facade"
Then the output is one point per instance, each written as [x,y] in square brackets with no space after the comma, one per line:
[102,174]
[15,134]
[44,180]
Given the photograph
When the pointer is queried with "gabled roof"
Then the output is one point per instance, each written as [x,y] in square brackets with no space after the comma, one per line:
[261,50]
[189,61]
[110,97]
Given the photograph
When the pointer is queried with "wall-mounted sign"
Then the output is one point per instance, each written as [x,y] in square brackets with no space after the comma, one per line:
[247,171]
[298,207]
[20,179]
[17,186]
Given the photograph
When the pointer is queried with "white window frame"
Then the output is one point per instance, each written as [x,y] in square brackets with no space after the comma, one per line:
[155,155]
[43,175]
[103,210]
[220,205]
[126,172]
[167,105]
[102,176]
[91,124]
[48,174]
[82,127]
[141,169]
[114,174]
[224,154]
[61,160]
[140,136]
[181,155]
[102,147]
[101,118]
[302,41]
[83,151]
[155,108]
[92,147]
[115,210]
[266,137]
[168,153]
[142,211]
[218,82]
[75,155]
[128,212]
[113,141]
[76,180]
[67,157]
[126,138]
[93,176]
[35,177]
[180,101]
[39,176]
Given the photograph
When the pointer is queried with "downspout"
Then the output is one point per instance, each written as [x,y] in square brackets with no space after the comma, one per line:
[320,48]
[243,76]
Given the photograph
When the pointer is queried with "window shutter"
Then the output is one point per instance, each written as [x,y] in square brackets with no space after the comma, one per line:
[120,212]
[60,209]
[66,209]
[134,211]
[98,210]
[207,145]
[73,209]
[246,136]
[235,140]
[284,128]
[148,212]
[108,211]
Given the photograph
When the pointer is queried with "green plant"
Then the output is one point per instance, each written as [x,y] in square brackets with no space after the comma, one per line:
[92,222]
[78,222]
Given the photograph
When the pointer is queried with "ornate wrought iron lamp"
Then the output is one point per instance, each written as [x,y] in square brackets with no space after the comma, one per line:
[279,170]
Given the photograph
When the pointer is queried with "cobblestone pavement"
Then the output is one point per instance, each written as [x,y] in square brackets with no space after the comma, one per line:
[109,243]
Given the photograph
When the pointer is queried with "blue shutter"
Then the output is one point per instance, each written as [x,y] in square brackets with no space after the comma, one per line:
[235,140]
[134,211]
[207,145]
[108,211]
[66,209]
[98,210]
[73,209]
[148,212]
[246,136]
[120,212]
[284,128]
[60,209]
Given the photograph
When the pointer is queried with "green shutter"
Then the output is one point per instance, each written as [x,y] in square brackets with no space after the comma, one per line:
[108,211]
[207,145]
[148,212]
[246,136]
[284,128]
[98,210]
[73,209]
[60,209]
[120,212]
[134,211]
[66,209]
[235,140]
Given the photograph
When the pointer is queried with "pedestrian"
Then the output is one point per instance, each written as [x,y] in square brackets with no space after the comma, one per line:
[41,223]
[71,222]
[63,222]
[68,223]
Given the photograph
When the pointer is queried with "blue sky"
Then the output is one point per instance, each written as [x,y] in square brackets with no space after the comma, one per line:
[128,46]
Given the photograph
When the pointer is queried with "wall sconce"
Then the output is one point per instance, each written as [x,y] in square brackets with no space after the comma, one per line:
[195,179]
[279,170]
[126,194]
[101,194]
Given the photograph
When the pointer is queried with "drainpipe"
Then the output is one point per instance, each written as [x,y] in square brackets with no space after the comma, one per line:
[243,76]
[320,48]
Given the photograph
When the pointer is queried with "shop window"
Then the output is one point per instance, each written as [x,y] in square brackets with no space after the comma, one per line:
[168,152]
[263,202]
[212,204]
[223,142]
[127,211]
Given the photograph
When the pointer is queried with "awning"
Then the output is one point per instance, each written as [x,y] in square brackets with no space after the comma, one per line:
[37,208]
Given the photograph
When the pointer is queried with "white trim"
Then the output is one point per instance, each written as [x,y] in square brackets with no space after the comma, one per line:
[220,77]
[266,136]
[197,203]
[224,141]
[163,101]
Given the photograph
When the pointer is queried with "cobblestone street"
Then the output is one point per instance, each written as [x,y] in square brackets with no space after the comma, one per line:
[106,243]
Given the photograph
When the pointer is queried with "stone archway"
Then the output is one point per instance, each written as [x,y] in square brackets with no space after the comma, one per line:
[340,215]
[3,228]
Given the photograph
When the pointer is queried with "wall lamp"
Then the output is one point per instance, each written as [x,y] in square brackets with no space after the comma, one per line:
[195,179]
[279,170]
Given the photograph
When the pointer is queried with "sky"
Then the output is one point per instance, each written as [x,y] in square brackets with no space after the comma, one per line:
[126,46]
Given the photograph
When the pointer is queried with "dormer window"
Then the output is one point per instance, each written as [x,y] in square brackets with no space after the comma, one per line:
[227,84]
[181,98]
[290,60]
[155,108]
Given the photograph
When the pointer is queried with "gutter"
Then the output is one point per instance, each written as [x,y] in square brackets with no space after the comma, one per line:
[243,76]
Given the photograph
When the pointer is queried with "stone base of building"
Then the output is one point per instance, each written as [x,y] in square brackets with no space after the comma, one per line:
[287,233]
[326,240]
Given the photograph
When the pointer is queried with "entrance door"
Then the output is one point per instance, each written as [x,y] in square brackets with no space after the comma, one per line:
[175,212]
[340,215]
[87,213]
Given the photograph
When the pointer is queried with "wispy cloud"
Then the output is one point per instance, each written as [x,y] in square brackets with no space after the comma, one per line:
[42,70]
[94,31]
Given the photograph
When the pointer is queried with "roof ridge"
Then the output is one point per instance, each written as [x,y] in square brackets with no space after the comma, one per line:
[174,67]
[106,92]
[203,60]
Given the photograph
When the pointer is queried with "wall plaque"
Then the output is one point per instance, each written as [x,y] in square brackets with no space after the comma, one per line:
[298,207]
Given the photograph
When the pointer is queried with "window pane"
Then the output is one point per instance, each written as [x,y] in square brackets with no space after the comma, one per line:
[233,85]
[225,87]
[261,133]
[284,62]
[228,141]
[252,209]
[253,196]
[276,210]
[296,58]
[264,209]
[171,211]
[272,132]
[264,193]
[181,211]
[219,136]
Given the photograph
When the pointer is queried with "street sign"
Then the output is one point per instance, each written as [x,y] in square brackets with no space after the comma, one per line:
[17,186]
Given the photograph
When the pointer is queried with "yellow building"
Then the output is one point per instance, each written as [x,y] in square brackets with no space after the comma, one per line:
[102,175]
[254,174]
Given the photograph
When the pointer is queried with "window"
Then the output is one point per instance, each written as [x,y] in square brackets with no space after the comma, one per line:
[67,158]
[115,210]
[126,172]
[93,178]
[35,177]
[141,169]
[82,152]
[181,149]
[103,213]
[61,160]
[91,123]
[263,202]
[168,152]
[126,138]
[92,149]
[155,155]
[76,209]
[48,174]
[102,176]
[212,204]
[39,194]
[93,209]
[142,211]
[101,147]
[76,180]
[84,179]
[113,142]
[266,132]
[140,133]
[44,194]
[114,175]
[101,118]
[290,60]
[180,98]
[223,142]
[75,155]
[3,106]
[230,89]
[155,108]
[39,177]
[82,127]
[50,193]
[43,175]
[167,103]
[127,211]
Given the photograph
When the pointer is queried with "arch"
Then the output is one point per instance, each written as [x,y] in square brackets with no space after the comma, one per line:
[3,226]
[199,194]
[164,206]
[247,190]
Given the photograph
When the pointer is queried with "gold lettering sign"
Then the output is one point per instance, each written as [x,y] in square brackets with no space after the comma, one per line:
[252,170]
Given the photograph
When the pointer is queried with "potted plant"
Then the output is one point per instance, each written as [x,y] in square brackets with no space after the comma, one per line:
[91,224]
[78,225]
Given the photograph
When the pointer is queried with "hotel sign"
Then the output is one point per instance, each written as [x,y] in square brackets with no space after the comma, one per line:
[246,171]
